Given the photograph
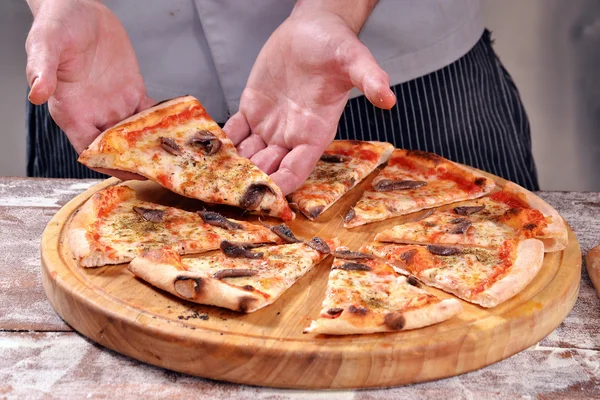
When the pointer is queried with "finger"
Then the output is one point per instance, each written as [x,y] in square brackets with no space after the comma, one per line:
[268,159]
[146,103]
[367,75]
[42,63]
[250,146]
[295,167]
[122,175]
[237,128]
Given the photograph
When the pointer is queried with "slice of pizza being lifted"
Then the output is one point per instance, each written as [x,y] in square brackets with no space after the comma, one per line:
[113,227]
[179,146]
[365,295]
[239,278]
[343,165]
[415,180]
[480,276]
[511,213]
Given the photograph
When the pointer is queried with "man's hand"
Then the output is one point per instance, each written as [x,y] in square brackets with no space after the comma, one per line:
[80,60]
[299,86]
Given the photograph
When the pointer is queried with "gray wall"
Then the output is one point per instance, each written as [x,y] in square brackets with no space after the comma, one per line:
[551,47]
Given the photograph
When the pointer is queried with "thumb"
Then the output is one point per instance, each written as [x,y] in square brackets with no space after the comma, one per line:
[43,56]
[366,74]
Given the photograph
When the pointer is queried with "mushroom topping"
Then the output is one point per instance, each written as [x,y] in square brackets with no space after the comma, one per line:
[388,185]
[209,143]
[468,210]
[253,196]
[235,251]
[216,219]
[170,146]
[350,215]
[318,244]
[351,255]
[234,273]
[283,231]
[413,281]
[335,312]
[352,266]
[334,158]
[443,250]
[150,214]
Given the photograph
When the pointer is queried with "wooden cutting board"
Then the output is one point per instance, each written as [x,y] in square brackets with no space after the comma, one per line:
[115,309]
[592,262]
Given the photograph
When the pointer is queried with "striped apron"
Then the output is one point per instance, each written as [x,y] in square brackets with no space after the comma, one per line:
[469,111]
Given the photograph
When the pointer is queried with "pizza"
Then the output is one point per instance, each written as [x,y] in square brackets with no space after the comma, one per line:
[240,278]
[179,146]
[481,276]
[366,295]
[341,167]
[415,180]
[511,213]
[113,227]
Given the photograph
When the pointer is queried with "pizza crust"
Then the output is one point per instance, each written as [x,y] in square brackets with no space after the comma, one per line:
[412,319]
[556,236]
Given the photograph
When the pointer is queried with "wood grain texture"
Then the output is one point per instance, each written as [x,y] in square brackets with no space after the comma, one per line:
[593,266]
[267,347]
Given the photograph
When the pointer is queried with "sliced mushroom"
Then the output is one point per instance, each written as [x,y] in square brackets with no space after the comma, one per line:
[353,266]
[234,273]
[351,255]
[443,250]
[283,231]
[318,244]
[206,140]
[388,185]
[216,219]
[253,196]
[235,251]
[468,210]
[170,146]
[334,158]
[150,214]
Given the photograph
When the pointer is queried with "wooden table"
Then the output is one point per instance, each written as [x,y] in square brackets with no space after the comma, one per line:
[41,356]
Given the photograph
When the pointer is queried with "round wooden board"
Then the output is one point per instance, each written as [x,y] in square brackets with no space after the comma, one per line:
[115,309]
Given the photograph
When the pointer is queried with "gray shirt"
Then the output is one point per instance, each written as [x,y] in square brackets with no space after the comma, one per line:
[207,48]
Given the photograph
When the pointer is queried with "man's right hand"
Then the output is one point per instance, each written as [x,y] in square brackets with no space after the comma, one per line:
[80,60]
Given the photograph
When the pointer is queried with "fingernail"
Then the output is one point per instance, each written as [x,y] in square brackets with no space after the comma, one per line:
[34,82]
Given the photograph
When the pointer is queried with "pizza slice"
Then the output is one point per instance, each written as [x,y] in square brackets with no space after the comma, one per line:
[179,146]
[512,213]
[237,278]
[343,165]
[480,276]
[113,227]
[415,180]
[366,295]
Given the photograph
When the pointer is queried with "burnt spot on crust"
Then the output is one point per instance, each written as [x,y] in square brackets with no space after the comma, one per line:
[188,287]
[233,250]
[530,227]
[245,303]
[434,158]
[150,214]
[394,320]
[350,215]
[318,244]
[353,266]
[389,185]
[468,210]
[170,146]
[207,141]
[408,256]
[357,310]
[234,273]
[443,250]
[413,281]
[480,181]
[216,219]
[334,158]
[335,312]
[351,255]
[254,195]
[315,212]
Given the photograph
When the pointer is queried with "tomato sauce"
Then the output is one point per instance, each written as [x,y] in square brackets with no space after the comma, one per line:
[509,200]
[462,183]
